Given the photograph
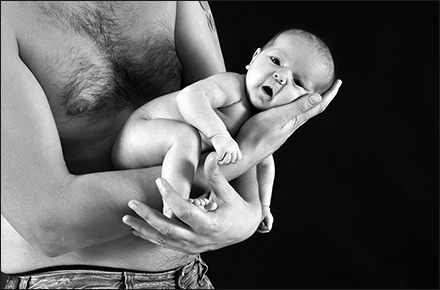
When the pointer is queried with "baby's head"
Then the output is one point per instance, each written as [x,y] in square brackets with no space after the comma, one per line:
[317,46]
[292,63]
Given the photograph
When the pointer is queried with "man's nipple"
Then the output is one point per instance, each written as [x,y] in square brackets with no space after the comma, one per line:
[79,106]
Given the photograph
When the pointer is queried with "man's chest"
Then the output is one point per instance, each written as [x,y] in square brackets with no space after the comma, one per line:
[99,59]
[96,64]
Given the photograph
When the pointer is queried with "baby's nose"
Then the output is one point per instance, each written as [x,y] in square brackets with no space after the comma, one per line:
[278,78]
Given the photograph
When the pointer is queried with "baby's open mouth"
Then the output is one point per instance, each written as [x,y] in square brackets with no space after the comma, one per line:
[268,90]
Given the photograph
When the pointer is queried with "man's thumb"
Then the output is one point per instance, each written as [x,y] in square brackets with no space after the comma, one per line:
[216,179]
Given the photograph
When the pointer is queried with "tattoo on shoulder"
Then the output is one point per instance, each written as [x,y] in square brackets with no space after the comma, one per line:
[209,17]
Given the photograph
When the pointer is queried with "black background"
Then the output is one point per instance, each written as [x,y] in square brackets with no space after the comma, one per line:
[356,195]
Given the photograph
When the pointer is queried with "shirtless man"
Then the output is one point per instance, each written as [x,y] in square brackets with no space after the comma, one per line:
[72,72]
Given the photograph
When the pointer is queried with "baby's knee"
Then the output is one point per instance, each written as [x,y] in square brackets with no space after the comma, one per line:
[188,137]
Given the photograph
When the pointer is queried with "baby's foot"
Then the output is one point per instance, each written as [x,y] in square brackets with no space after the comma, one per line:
[203,203]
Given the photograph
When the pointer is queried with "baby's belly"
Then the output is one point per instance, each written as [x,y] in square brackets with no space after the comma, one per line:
[128,252]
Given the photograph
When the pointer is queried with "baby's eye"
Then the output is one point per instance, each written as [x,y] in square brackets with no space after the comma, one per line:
[275,60]
[298,83]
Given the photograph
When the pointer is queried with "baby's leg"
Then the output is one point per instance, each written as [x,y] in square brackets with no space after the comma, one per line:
[176,145]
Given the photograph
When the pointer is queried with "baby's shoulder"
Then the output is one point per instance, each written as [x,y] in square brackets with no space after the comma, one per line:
[230,79]
[231,76]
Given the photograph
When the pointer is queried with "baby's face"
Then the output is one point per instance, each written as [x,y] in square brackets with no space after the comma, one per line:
[283,72]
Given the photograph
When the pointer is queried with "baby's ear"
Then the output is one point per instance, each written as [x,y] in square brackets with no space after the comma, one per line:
[257,52]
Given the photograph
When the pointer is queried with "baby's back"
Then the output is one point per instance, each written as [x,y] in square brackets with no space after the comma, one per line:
[164,107]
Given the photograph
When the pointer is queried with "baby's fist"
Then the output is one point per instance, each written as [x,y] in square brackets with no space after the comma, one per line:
[227,149]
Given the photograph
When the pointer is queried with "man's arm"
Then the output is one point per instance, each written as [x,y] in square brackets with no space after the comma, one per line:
[197,41]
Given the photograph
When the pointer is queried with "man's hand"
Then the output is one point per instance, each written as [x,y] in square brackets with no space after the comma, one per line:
[265,132]
[236,217]
[233,220]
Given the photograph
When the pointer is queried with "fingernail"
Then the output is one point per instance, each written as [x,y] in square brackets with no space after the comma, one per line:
[133,205]
[159,183]
[314,99]
[126,221]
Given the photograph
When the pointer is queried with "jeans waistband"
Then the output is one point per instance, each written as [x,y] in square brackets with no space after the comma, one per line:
[191,275]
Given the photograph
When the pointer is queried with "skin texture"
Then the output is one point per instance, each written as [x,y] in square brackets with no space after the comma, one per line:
[62,202]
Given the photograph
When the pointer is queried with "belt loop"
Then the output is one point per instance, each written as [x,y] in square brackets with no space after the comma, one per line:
[128,280]
[24,282]
[202,269]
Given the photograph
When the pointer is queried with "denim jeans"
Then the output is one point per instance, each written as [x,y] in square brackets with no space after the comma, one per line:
[190,276]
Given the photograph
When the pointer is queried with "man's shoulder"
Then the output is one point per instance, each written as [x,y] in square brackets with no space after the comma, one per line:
[10,22]
[9,12]
[16,16]
[13,13]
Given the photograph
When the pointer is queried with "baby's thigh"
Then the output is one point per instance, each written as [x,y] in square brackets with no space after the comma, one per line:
[144,143]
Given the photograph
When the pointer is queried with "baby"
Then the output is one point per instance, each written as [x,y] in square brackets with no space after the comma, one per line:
[293,63]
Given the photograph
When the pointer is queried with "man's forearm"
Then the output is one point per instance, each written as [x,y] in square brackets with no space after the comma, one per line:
[89,210]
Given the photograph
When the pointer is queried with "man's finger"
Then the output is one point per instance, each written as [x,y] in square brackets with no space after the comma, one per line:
[217,181]
[184,210]
[287,113]
[156,228]
[156,220]
[144,230]
[308,110]
[330,94]
[149,233]
[299,111]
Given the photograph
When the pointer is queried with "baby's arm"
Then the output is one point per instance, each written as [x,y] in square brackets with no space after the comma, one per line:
[266,178]
[197,102]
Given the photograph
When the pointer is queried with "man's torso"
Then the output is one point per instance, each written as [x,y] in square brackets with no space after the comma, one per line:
[96,62]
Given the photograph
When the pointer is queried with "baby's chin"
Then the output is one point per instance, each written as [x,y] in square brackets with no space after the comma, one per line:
[260,104]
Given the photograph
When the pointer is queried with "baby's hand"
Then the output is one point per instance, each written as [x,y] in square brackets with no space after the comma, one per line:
[226,147]
[267,222]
